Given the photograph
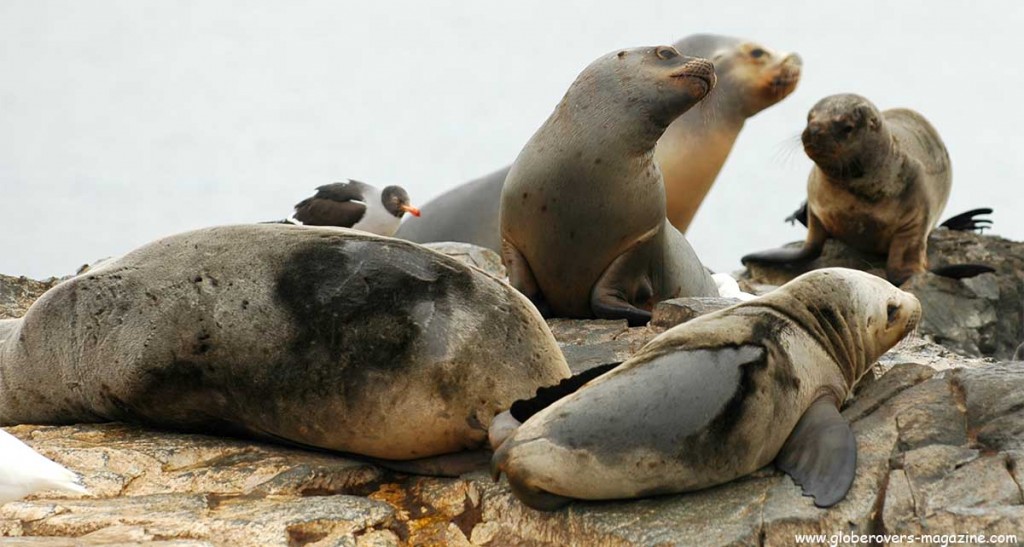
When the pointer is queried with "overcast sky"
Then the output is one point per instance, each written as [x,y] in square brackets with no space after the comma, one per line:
[121,122]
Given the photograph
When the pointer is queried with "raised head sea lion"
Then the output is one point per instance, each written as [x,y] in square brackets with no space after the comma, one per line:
[879,184]
[323,337]
[583,222]
[719,397]
[751,77]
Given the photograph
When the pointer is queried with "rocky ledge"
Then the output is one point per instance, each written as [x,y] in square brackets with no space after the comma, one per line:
[940,438]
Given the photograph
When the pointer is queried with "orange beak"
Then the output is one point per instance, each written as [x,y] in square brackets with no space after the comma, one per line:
[411,210]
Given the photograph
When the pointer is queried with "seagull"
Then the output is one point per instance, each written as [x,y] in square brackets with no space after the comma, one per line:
[24,471]
[355,204]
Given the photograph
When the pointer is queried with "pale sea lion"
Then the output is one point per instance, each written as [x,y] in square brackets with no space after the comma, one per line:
[879,184]
[323,337]
[719,397]
[467,213]
[583,222]
[751,77]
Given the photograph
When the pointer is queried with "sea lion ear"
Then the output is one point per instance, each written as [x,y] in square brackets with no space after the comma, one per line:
[821,454]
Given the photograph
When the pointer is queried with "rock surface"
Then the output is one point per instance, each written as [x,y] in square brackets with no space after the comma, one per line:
[940,440]
[989,309]
[18,293]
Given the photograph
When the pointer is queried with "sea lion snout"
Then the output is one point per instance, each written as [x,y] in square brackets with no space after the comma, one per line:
[701,69]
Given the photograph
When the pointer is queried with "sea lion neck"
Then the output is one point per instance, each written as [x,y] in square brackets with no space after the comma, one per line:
[623,131]
[832,326]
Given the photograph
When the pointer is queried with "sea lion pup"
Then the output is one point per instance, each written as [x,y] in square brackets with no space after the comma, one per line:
[719,397]
[323,337]
[583,222]
[879,184]
[751,77]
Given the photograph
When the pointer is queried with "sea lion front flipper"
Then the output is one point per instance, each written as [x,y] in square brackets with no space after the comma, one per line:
[966,222]
[811,249]
[821,453]
[611,296]
[800,215]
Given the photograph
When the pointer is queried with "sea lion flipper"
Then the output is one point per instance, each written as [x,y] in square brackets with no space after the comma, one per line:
[811,249]
[614,293]
[962,271]
[821,453]
[966,221]
[800,215]
[521,276]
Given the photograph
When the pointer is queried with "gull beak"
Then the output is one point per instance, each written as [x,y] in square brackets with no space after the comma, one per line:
[411,210]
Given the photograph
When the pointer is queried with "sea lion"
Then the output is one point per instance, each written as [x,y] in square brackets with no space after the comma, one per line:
[323,337]
[751,77]
[583,222]
[356,205]
[719,397]
[467,213]
[879,184]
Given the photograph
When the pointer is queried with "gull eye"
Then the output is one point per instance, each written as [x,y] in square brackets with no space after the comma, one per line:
[665,53]
[757,53]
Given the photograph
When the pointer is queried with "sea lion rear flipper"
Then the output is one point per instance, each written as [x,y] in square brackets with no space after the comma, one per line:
[505,424]
[800,215]
[821,453]
[962,271]
[966,221]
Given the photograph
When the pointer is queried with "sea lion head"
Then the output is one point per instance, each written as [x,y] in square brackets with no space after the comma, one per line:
[845,135]
[855,315]
[639,91]
[752,76]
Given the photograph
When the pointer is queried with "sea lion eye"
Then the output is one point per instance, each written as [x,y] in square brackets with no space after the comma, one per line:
[891,312]
[666,53]
[757,53]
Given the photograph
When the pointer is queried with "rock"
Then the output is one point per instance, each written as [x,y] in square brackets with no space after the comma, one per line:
[989,318]
[676,311]
[18,293]
[479,257]
[972,330]
[940,450]
[993,397]
[590,343]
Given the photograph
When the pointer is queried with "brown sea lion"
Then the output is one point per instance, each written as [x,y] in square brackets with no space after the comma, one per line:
[583,208]
[717,398]
[751,77]
[879,184]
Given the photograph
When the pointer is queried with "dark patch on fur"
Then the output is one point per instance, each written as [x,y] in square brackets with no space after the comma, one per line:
[350,303]
[733,411]
[523,409]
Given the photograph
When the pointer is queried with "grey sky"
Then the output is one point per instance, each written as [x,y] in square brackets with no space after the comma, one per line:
[124,121]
